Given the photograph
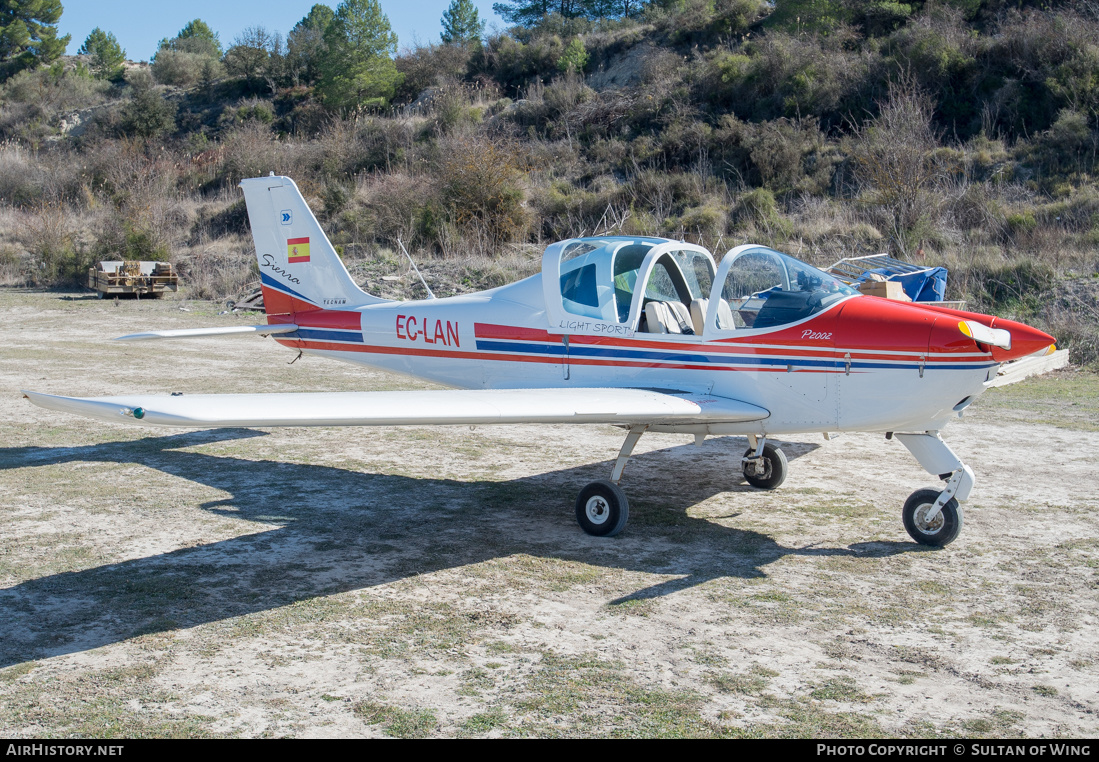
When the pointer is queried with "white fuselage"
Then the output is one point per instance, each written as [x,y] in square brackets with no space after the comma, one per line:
[499,340]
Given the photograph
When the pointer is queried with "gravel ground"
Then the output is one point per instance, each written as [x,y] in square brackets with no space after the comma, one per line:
[433,581]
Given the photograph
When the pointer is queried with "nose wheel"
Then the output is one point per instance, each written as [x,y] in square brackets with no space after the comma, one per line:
[927,526]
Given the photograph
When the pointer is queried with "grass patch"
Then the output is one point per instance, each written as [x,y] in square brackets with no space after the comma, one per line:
[1066,399]
[633,607]
[1000,723]
[485,722]
[119,702]
[474,681]
[750,683]
[812,720]
[908,676]
[11,674]
[840,689]
[397,722]
[578,696]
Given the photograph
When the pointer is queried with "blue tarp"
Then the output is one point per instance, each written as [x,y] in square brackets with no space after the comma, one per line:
[927,285]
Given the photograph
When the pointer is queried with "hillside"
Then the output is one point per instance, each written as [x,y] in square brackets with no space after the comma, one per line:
[956,133]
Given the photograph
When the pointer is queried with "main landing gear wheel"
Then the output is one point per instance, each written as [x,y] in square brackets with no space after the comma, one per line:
[771,469]
[602,509]
[939,531]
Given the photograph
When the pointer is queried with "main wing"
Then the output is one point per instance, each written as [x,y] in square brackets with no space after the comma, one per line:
[451,406]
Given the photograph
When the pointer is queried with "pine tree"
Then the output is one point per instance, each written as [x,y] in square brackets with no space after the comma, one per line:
[524,12]
[305,46]
[358,67]
[107,55]
[530,12]
[318,19]
[188,57]
[196,37]
[575,58]
[462,23]
[28,34]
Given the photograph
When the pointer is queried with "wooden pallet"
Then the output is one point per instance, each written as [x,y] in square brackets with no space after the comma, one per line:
[1034,365]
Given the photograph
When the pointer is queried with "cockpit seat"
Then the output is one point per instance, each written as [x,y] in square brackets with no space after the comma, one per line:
[667,317]
[698,315]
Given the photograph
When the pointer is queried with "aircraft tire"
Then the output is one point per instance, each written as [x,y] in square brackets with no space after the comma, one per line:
[943,530]
[774,470]
[602,509]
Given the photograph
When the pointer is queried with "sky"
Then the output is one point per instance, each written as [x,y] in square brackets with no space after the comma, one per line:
[139,26]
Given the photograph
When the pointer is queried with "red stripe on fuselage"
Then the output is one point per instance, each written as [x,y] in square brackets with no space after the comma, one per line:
[785,342]
[384,350]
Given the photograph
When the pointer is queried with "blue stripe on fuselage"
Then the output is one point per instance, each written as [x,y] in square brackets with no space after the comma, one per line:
[327,334]
[557,350]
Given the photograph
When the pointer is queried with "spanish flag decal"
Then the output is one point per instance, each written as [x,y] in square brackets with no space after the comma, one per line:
[297,250]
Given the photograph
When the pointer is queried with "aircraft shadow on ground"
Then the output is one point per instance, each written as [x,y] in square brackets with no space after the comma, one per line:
[334,530]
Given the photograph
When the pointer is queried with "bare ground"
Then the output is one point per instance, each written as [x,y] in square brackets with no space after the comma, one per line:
[433,581]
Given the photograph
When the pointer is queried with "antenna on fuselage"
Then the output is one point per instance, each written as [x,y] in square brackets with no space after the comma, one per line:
[429,294]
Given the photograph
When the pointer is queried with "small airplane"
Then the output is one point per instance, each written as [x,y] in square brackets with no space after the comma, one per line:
[647,334]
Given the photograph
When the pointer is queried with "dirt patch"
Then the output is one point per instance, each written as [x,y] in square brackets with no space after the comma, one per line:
[433,581]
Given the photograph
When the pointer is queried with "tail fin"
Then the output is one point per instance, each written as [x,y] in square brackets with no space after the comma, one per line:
[299,269]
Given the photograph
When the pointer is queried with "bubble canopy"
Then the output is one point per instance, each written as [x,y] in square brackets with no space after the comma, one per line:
[619,285]
[601,285]
[765,288]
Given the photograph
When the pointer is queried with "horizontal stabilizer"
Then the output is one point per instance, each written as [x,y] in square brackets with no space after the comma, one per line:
[189,333]
[451,406]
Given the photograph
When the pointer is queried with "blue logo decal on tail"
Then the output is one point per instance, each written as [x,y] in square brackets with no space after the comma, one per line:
[287,217]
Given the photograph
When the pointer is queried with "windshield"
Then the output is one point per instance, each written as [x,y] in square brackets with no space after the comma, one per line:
[765,288]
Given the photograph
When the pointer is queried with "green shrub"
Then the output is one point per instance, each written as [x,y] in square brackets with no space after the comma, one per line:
[57,257]
[1018,285]
[428,66]
[757,204]
[182,69]
[480,184]
[1069,145]
[148,114]
[251,111]
[1021,222]
[335,197]
[513,64]
[703,225]
[703,22]
[574,58]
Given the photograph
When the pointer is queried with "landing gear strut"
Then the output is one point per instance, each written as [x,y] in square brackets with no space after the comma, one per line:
[601,507]
[932,516]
